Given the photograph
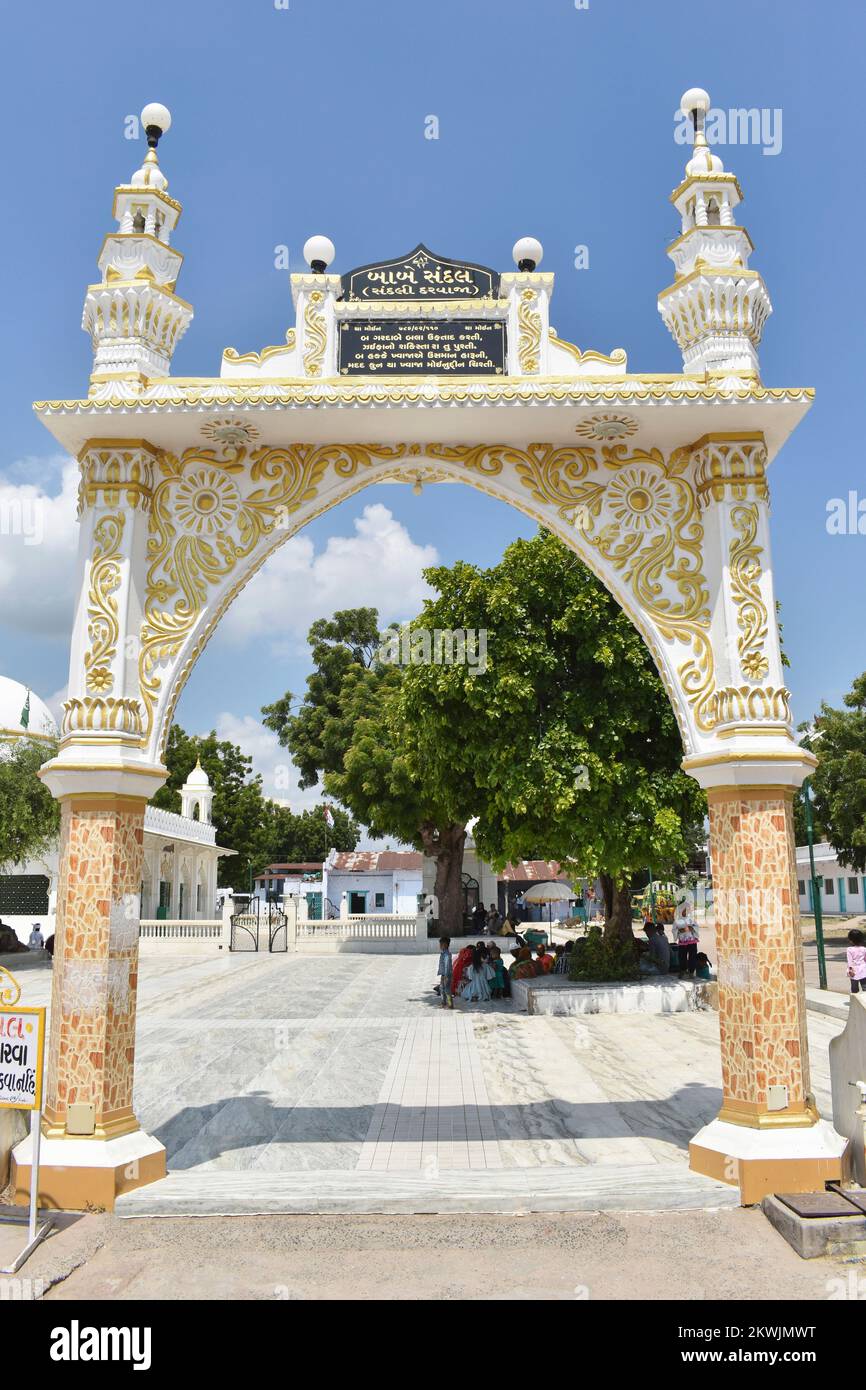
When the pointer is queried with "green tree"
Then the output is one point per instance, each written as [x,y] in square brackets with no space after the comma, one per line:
[567,739]
[561,739]
[838,737]
[29,814]
[261,831]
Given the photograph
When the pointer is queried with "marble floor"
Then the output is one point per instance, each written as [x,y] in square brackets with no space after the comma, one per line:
[286,1064]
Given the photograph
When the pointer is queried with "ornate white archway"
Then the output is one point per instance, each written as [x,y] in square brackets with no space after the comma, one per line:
[658,483]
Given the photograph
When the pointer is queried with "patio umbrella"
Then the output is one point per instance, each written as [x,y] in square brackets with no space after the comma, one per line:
[549,893]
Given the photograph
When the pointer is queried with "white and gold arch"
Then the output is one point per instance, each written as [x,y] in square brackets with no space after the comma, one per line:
[658,482]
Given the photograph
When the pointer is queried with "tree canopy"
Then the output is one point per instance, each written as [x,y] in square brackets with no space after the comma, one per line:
[260,830]
[556,731]
[30,820]
[838,737]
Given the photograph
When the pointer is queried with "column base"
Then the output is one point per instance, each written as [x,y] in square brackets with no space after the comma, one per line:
[764,1161]
[87,1174]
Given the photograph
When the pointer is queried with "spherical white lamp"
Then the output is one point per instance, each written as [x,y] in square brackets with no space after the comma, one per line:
[318,253]
[156,120]
[527,253]
[695,99]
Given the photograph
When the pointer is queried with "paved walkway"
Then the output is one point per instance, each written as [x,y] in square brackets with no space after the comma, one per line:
[275,1067]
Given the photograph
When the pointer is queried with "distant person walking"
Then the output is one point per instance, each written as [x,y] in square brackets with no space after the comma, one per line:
[686,938]
[856,956]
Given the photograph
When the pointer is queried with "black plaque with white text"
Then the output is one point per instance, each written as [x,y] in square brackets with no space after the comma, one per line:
[420,275]
[397,347]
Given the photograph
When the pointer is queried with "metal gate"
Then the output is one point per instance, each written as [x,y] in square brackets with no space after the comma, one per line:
[245,931]
[278,934]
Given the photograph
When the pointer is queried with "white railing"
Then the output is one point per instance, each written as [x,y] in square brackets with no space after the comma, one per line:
[173,826]
[167,929]
[390,926]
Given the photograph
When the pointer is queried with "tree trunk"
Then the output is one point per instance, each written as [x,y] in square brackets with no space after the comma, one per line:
[446,847]
[617,910]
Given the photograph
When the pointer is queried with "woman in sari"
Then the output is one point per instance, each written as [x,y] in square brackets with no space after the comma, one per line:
[462,959]
[523,966]
[475,988]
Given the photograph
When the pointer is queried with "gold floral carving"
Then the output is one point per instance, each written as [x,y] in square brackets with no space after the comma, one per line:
[10,990]
[643,521]
[202,527]
[529,341]
[745,569]
[315,335]
[103,627]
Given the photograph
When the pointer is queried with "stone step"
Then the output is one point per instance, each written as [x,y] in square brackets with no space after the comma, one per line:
[596,1187]
[827,1001]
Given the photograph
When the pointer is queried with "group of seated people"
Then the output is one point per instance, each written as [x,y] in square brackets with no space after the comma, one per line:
[479,971]
[659,956]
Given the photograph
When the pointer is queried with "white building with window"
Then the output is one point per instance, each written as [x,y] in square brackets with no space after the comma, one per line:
[374,880]
[843,890]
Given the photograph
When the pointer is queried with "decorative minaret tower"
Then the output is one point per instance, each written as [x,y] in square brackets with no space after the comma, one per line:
[717,306]
[197,792]
[134,318]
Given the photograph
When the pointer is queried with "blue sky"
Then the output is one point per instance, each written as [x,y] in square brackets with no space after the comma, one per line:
[554,121]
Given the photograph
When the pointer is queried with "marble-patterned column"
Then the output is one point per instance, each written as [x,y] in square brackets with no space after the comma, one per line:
[92,1038]
[762,1003]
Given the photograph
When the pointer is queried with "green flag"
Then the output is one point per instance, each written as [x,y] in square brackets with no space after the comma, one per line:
[25,713]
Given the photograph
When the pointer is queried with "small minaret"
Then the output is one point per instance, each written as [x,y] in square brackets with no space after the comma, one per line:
[134,318]
[717,306]
[197,792]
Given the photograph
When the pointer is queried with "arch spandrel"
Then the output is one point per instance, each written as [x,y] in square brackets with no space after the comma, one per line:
[678,536]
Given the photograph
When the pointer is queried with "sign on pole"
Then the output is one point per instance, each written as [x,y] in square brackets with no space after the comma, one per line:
[22,1044]
[22,1048]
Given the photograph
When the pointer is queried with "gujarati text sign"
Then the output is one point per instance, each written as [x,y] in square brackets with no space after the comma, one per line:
[448,347]
[421,275]
[22,1039]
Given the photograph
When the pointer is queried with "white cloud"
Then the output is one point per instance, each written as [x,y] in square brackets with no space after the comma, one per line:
[38,543]
[279,775]
[378,567]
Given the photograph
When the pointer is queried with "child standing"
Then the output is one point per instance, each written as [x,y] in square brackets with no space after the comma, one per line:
[856,955]
[445,971]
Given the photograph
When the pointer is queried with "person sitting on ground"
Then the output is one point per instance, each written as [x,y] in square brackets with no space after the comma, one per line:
[856,958]
[492,920]
[475,988]
[506,928]
[544,960]
[704,967]
[35,941]
[9,943]
[523,966]
[461,961]
[497,980]
[660,951]
[562,964]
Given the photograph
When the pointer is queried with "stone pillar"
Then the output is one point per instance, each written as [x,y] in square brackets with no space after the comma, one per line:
[93,1146]
[768,1136]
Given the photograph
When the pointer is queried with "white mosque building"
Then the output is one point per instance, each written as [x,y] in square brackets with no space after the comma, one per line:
[181,856]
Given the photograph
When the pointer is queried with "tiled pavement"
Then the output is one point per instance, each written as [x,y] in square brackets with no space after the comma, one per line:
[433,1112]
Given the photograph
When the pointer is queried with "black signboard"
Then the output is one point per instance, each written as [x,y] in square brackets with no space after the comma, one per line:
[448,347]
[420,275]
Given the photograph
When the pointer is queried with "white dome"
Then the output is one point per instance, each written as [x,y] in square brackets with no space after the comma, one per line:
[13,697]
[198,779]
